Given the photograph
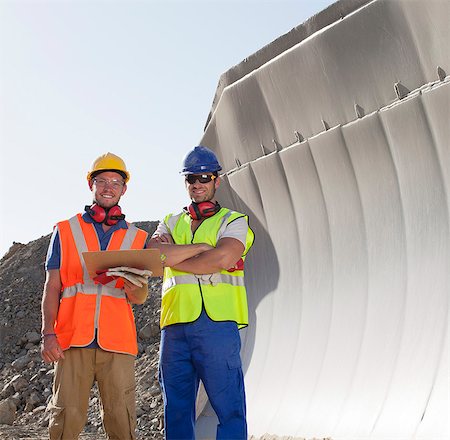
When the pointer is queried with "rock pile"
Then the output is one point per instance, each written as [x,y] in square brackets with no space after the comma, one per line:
[25,381]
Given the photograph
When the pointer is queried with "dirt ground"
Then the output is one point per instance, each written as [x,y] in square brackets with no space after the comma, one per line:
[22,432]
[25,432]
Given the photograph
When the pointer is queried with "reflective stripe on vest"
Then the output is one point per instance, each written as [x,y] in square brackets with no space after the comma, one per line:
[86,307]
[208,279]
[222,294]
[71,291]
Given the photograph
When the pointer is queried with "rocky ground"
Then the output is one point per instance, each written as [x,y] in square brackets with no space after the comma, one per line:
[25,381]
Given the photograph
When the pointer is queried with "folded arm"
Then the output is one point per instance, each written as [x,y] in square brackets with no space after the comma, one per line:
[173,254]
[225,255]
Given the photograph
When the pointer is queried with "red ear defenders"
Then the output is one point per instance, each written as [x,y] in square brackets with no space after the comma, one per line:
[107,216]
[197,211]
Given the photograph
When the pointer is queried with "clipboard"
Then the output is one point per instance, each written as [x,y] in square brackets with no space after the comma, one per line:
[140,259]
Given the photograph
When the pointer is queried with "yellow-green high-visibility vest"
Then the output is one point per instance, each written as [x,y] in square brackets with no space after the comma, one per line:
[222,294]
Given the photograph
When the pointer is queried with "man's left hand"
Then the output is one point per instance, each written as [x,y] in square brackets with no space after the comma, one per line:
[135,294]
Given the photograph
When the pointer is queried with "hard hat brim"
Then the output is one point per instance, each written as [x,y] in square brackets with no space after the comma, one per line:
[124,174]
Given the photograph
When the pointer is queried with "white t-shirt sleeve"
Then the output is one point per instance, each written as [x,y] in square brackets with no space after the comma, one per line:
[160,230]
[236,229]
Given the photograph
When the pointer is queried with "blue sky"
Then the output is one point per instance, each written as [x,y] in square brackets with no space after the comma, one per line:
[82,77]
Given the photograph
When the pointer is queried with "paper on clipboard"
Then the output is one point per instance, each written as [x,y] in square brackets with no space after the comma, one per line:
[149,259]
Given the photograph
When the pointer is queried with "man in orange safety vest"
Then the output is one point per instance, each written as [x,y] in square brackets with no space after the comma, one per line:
[88,328]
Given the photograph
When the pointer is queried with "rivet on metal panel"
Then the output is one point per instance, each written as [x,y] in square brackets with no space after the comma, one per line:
[238,162]
[400,90]
[299,136]
[325,125]
[441,73]
[359,111]
[277,146]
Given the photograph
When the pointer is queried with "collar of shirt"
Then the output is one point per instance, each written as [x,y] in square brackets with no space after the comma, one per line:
[103,236]
[121,224]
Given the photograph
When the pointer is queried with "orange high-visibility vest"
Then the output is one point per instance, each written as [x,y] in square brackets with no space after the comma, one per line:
[86,307]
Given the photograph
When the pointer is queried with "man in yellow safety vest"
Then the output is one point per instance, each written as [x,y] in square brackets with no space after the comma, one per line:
[204,304]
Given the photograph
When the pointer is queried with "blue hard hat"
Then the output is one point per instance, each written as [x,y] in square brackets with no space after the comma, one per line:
[200,160]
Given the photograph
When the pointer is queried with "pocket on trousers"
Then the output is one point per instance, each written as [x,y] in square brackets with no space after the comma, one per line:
[56,421]
[234,362]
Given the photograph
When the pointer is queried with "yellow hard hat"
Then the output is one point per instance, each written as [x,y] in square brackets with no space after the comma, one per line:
[108,162]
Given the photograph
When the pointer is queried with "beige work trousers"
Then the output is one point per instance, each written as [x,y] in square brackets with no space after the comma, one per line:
[74,377]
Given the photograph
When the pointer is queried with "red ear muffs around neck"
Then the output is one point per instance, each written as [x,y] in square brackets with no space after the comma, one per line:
[107,216]
[97,213]
[201,210]
[114,215]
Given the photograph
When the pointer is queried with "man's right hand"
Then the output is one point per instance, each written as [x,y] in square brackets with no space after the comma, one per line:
[51,351]
[163,238]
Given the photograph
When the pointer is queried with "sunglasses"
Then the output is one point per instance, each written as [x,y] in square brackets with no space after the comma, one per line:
[202,178]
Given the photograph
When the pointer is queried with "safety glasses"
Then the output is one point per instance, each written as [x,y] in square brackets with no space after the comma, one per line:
[114,183]
[202,178]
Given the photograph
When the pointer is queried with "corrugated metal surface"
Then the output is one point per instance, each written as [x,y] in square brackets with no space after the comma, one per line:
[349,278]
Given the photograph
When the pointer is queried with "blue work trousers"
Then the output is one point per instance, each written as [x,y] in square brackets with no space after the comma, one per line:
[208,351]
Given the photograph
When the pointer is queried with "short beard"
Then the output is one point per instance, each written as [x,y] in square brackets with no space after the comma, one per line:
[211,197]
